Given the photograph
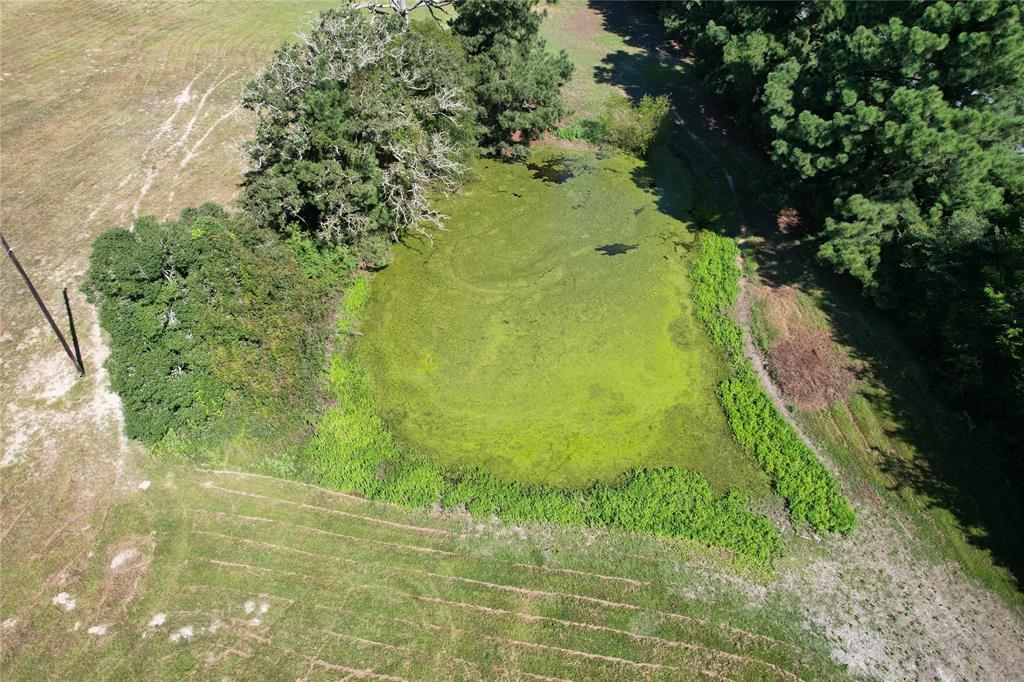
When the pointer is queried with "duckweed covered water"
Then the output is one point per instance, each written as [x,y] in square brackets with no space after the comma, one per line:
[516,343]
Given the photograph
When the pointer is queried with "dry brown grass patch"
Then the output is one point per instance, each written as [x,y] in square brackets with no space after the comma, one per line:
[789,222]
[808,366]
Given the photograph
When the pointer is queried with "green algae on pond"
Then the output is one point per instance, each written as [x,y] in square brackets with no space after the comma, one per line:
[512,342]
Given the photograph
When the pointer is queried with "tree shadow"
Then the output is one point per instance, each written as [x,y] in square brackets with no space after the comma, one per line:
[954,468]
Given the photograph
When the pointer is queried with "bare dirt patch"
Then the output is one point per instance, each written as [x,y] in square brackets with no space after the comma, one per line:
[126,569]
[809,368]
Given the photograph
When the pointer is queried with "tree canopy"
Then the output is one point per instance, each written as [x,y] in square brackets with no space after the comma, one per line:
[517,80]
[356,124]
[899,129]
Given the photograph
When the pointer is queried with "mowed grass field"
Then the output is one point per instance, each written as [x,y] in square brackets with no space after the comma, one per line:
[107,110]
[228,576]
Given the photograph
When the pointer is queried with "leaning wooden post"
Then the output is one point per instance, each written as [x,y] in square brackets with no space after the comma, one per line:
[42,306]
[74,335]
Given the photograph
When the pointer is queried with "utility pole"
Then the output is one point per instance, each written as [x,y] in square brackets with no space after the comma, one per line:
[76,355]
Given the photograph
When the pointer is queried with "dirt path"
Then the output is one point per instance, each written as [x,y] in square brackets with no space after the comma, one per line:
[742,310]
[743,313]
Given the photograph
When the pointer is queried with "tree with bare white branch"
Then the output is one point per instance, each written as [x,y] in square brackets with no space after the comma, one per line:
[358,122]
[403,8]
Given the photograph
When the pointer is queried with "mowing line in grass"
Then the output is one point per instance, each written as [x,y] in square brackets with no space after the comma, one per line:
[419,529]
[585,625]
[715,653]
[364,640]
[336,524]
[535,592]
[475,639]
[532,592]
[288,481]
[414,548]
[343,536]
[594,627]
[572,571]
[643,665]
[617,631]
[263,569]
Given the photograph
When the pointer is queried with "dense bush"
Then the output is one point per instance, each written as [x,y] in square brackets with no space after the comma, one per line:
[715,276]
[632,128]
[354,450]
[809,488]
[356,124]
[517,81]
[206,314]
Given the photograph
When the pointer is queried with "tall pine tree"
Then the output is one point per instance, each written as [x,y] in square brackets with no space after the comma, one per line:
[518,80]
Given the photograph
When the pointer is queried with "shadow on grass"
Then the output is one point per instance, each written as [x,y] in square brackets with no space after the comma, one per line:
[957,468]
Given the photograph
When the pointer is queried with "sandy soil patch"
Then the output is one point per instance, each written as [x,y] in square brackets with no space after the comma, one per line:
[65,601]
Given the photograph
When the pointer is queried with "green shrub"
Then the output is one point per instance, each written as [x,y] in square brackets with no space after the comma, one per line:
[356,123]
[631,128]
[584,129]
[634,127]
[207,315]
[808,487]
[798,476]
[715,276]
[354,450]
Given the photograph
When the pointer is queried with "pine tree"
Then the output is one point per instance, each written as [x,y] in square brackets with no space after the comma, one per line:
[899,128]
[517,79]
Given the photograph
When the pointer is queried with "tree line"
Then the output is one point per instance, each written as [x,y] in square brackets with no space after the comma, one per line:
[897,129]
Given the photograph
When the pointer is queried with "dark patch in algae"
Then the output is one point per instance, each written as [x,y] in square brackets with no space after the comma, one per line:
[556,169]
[616,249]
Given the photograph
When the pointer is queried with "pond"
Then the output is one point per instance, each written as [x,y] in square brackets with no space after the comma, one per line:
[547,335]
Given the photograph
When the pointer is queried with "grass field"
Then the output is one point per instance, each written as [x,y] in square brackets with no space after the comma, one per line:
[226,575]
[512,342]
[173,572]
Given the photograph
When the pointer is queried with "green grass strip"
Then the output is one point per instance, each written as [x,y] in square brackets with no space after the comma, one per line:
[808,487]
[353,449]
